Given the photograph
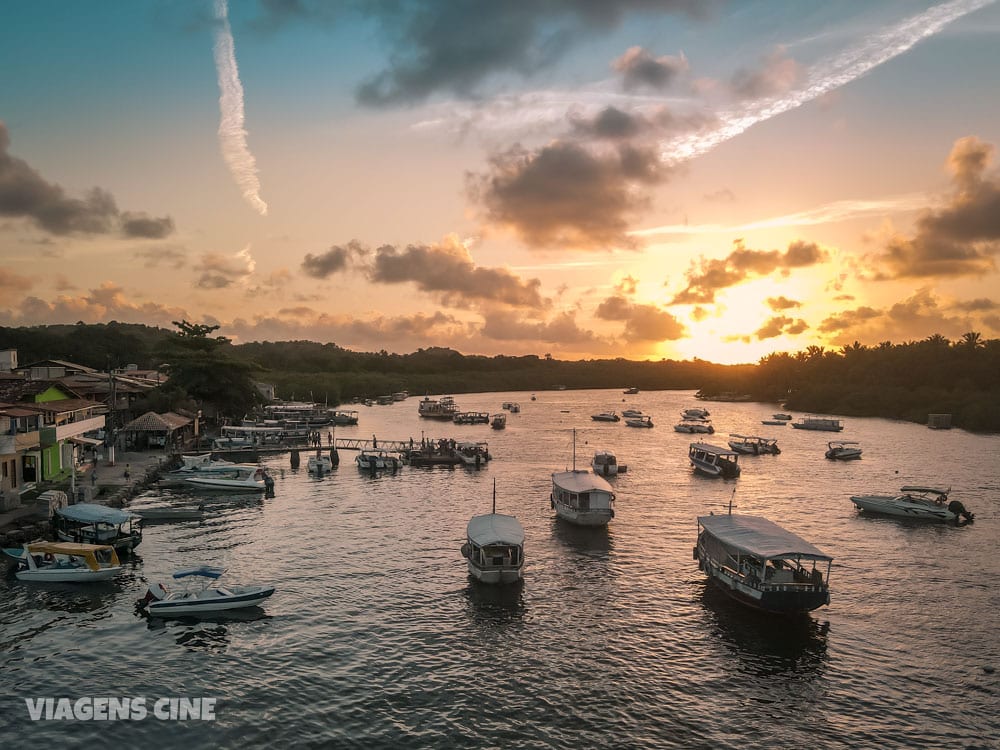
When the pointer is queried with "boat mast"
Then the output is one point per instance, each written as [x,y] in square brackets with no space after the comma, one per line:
[574,449]
[494,495]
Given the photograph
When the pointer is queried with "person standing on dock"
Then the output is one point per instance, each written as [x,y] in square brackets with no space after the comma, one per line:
[374,442]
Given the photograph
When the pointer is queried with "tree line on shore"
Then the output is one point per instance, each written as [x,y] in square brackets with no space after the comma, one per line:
[901,381]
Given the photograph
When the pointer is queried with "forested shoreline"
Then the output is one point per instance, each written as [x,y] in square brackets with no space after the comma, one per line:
[901,381]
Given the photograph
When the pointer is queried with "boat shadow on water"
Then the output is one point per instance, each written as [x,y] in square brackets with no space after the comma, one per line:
[207,632]
[593,541]
[495,607]
[766,644]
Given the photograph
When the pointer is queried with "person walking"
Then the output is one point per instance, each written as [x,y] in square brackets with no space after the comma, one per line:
[127,473]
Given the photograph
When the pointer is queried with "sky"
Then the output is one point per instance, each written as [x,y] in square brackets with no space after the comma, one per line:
[644,179]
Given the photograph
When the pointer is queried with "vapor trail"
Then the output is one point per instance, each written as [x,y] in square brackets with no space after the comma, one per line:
[828,75]
[232,135]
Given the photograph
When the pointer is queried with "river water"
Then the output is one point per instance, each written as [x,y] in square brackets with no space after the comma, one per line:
[376,637]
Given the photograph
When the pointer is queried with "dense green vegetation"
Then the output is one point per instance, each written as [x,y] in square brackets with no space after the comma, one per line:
[902,381]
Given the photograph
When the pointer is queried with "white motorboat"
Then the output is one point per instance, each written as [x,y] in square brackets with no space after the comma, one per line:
[693,426]
[605,464]
[319,464]
[473,454]
[494,547]
[773,422]
[201,462]
[65,562]
[241,477]
[631,390]
[713,461]
[89,523]
[825,424]
[781,417]
[581,497]
[207,598]
[695,413]
[644,421]
[843,450]
[370,461]
[605,416]
[344,417]
[626,413]
[752,445]
[923,503]
[762,565]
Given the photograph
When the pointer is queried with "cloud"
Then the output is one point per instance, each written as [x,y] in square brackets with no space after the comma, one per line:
[154,256]
[12,283]
[776,75]
[232,135]
[782,303]
[564,195]
[640,69]
[25,194]
[849,319]
[627,285]
[332,261]
[220,271]
[643,322]
[101,305]
[962,237]
[448,269]
[779,325]
[138,224]
[507,325]
[456,46]
[975,305]
[707,277]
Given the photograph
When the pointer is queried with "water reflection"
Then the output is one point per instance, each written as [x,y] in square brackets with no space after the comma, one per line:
[593,541]
[71,598]
[494,607]
[766,645]
[207,632]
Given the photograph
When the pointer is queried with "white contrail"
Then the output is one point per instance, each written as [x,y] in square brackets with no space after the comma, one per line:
[232,135]
[831,74]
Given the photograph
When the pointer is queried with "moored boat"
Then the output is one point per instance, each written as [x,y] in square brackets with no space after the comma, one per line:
[753,445]
[605,416]
[242,477]
[581,497]
[498,421]
[921,503]
[494,547]
[695,426]
[210,597]
[605,464]
[471,417]
[344,417]
[843,450]
[824,424]
[713,461]
[444,408]
[89,523]
[473,453]
[631,390]
[65,562]
[762,565]
[695,412]
[644,421]
[319,464]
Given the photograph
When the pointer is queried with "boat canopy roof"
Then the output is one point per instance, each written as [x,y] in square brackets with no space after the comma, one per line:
[929,490]
[93,513]
[205,571]
[580,480]
[495,528]
[709,448]
[86,551]
[759,536]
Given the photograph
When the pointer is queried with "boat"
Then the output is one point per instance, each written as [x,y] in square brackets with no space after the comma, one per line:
[762,565]
[89,523]
[494,547]
[781,417]
[472,454]
[370,461]
[631,390]
[319,464]
[506,405]
[826,424]
[713,461]
[695,413]
[400,395]
[644,421]
[923,503]
[695,425]
[631,413]
[241,477]
[605,464]
[170,514]
[843,450]
[207,598]
[515,407]
[773,422]
[65,562]
[445,408]
[605,416]
[582,497]
[498,421]
[344,417]
[752,445]
[201,462]
[471,417]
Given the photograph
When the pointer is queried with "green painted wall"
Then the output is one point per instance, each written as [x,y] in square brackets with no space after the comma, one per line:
[51,462]
[52,394]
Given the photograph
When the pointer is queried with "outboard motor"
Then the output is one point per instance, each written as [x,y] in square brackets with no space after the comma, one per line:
[154,593]
[956,507]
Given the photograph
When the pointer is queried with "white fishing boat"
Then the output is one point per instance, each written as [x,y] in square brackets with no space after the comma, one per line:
[843,450]
[581,497]
[241,477]
[605,416]
[89,523]
[713,461]
[319,464]
[444,408]
[922,503]
[753,445]
[494,547]
[65,562]
[695,426]
[644,421]
[207,597]
[762,565]
[824,424]
[605,464]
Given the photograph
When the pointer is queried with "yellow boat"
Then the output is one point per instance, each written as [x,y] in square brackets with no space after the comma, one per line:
[65,562]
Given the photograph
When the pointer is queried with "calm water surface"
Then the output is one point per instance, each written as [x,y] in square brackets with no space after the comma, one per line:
[376,636]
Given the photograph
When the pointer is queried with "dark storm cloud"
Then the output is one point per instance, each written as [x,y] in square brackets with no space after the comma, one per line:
[639,68]
[138,224]
[564,195]
[454,45]
[448,269]
[709,276]
[643,322]
[962,237]
[25,194]
[332,261]
[780,324]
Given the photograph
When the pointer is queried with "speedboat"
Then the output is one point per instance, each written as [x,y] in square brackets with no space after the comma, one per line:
[605,464]
[626,413]
[826,424]
[89,523]
[762,565]
[319,464]
[581,497]
[924,503]
[843,450]
[209,597]
[753,445]
[631,390]
[773,422]
[713,461]
[692,426]
[695,413]
[473,454]
[644,421]
[605,416]
[241,477]
[65,562]
[494,547]
[781,417]
[370,461]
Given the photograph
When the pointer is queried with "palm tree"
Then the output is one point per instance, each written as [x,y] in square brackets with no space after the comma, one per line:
[972,340]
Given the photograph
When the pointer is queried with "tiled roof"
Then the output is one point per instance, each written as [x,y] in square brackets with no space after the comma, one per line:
[153,422]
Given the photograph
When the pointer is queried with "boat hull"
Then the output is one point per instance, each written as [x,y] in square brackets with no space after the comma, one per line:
[779,599]
[843,455]
[195,606]
[886,507]
[584,517]
[68,576]
[495,575]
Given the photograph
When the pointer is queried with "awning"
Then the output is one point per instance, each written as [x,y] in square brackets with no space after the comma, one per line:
[80,440]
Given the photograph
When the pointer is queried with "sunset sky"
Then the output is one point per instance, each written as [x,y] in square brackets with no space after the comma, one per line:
[586,178]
